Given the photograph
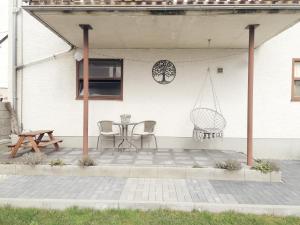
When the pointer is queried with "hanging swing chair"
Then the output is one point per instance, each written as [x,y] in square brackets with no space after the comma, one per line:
[208,122]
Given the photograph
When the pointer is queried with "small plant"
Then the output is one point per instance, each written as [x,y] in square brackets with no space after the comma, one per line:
[6,162]
[57,162]
[229,165]
[86,161]
[197,166]
[33,159]
[265,166]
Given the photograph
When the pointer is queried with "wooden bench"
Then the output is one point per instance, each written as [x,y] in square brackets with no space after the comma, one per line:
[34,139]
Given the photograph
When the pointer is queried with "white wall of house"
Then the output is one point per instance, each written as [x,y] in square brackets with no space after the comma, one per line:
[49,91]
[4,65]
[3,48]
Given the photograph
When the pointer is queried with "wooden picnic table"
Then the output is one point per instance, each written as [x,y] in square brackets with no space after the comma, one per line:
[34,138]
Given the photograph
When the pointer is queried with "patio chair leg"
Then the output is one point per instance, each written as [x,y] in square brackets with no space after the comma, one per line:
[114,146]
[155,142]
[98,142]
[101,144]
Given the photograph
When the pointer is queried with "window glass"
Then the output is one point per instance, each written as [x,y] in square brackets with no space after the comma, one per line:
[297,69]
[105,78]
[297,88]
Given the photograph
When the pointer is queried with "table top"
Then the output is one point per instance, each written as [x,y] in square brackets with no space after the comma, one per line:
[124,124]
[37,132]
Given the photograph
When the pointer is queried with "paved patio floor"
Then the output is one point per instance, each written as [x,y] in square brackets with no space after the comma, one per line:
[146,157]
[102,192]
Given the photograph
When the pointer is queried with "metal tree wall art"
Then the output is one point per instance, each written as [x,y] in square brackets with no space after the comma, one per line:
[163,72]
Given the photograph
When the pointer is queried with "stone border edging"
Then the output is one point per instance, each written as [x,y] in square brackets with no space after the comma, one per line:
[60,204]
[245,174]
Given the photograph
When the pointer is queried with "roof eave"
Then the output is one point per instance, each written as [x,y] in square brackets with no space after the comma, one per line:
[290,7]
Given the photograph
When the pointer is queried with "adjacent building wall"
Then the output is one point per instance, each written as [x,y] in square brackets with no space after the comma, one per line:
[5,126]
[3,69]
[49,91]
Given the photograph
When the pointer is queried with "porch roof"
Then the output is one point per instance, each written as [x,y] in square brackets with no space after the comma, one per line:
[164,23]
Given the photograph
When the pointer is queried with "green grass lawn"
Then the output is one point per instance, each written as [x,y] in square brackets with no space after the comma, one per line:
[74,216]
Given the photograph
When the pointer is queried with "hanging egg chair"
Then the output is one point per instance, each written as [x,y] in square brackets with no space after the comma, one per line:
[208,122]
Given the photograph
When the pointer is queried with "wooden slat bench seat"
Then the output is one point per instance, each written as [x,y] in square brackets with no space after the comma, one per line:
[34,139]
[13,145]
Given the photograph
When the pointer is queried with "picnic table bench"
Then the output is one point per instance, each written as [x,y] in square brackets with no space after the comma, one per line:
[34,138]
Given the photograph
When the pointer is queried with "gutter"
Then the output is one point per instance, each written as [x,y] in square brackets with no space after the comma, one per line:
[54,56]
[163,7]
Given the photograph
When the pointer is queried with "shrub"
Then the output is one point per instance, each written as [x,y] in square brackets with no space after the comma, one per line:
[57,162]
[229,165]
[33,159]
[86,161]
[265,166]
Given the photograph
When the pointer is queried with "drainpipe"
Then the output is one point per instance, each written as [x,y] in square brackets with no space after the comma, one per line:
[14,39]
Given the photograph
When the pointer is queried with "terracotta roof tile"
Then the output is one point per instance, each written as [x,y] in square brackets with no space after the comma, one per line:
[162,2]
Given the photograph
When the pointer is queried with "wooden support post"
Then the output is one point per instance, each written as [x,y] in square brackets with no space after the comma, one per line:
[250,94]
[85,28]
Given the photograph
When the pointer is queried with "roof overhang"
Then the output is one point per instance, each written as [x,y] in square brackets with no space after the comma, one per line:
[166,26]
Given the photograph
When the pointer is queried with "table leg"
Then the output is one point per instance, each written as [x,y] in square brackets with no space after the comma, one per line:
[17,146]
[33,144]
[121,144]
[39,139]
[56,146]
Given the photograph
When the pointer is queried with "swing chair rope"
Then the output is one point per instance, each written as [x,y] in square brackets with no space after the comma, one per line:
[200,93]
[198,102]
[215,97]
[200,96]
[208,122]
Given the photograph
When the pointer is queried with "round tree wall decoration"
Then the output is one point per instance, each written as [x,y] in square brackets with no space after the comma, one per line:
[163,72]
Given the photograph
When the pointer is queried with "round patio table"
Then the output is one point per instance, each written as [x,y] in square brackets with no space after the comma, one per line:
[124,134]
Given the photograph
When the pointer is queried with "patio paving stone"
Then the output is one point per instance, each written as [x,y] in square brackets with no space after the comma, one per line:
[173,157]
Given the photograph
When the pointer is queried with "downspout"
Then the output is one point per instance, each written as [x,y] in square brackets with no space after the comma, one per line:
[14,39]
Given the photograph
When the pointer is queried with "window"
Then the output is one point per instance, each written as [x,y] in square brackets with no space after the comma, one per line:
[105,80]
[296,80]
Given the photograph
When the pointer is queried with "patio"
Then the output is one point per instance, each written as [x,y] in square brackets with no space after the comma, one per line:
[145,157]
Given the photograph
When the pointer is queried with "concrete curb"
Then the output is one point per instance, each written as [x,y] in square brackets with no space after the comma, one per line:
[245,174]
[277,210]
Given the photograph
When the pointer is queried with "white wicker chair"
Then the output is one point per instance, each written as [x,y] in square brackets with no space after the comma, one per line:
[143,129]
[106,131]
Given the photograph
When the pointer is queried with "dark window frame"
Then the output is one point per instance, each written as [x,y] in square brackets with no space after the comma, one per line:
[103,97]
[294,98]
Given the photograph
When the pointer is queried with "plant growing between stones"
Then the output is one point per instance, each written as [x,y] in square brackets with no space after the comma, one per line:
[57,162]
[230,164]
[33,159]
[6,162]
[197,166]
[265,166]
[86,161]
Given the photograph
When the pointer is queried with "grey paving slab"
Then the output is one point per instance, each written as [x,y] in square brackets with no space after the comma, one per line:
[171,157]
[155,190]
[62,187]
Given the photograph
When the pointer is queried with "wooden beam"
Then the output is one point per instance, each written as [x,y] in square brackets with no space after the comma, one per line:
[85,28]
[250,94]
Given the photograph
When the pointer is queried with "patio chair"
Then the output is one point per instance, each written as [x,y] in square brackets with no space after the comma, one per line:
[106,130]
[144,129]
